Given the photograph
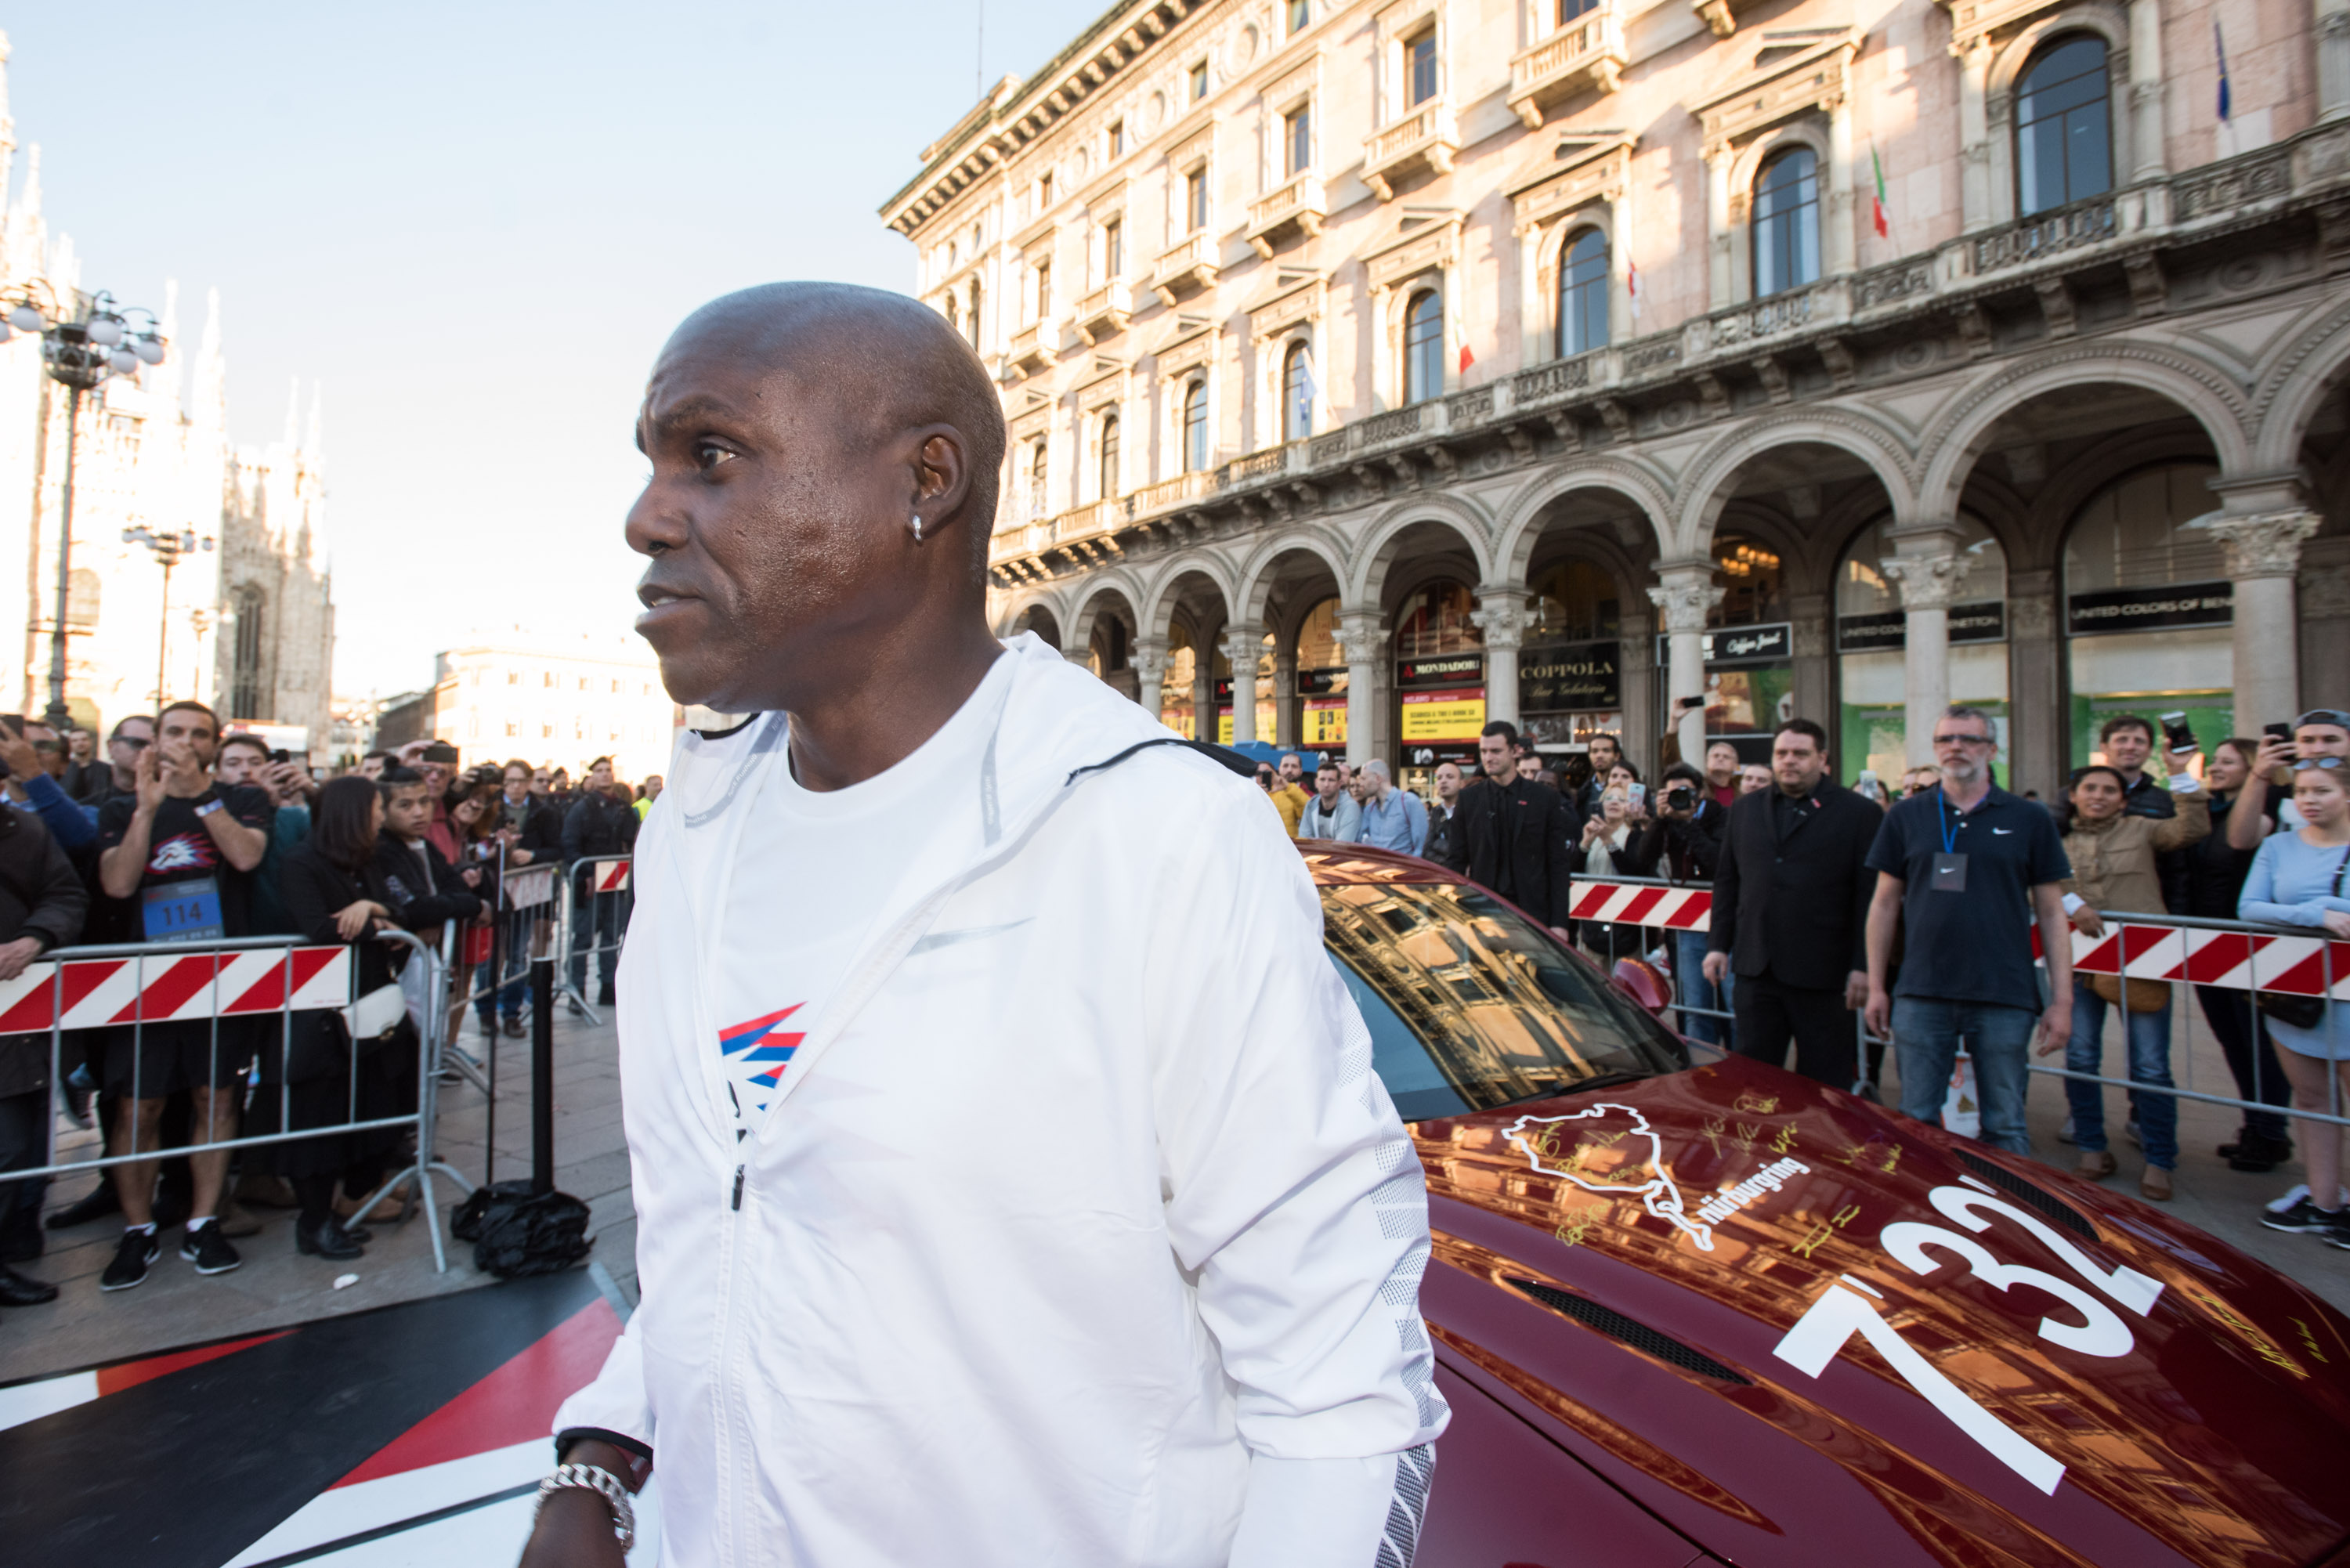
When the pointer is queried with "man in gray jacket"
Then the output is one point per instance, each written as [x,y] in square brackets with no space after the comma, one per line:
[1332,813]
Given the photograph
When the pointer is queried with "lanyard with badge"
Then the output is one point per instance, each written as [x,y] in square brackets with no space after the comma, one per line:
[1950,866]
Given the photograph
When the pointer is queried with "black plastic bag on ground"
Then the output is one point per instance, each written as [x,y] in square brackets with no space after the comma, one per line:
[516,1233]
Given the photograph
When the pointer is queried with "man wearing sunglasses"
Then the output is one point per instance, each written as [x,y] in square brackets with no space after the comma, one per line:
[1965,869]
[2318,735]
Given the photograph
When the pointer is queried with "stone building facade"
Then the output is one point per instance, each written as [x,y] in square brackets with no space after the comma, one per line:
[546,699]
[1566,360]
[246,624]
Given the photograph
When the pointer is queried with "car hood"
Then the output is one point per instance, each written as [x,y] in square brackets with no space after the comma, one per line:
[1804,1330]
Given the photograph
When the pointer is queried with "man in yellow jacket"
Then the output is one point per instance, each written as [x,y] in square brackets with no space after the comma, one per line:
[1289,795]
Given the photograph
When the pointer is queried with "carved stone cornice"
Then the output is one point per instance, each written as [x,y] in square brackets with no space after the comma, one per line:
[1589,166]
[1148,658]
[1685,603]
[1241,647]
[1296,296]
[1501,615]
[1818,75]
[1432,241]
[1360,637]
[1927,582]
[2263,544]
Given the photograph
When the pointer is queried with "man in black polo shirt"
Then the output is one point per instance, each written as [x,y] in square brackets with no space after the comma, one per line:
[1965,869]
[180,851]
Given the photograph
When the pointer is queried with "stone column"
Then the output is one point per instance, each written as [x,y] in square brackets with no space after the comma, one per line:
[1974,132]
[1284,700]
[1721,219]
[1149,660]
[1636,665]
[1814,691]
[2332,59]
[2148,157]
[1682,600]
[1928,572]
[1204,694]
[1501,615]
[2037,720]
[2264,552]
[1363,641]
[1243,645]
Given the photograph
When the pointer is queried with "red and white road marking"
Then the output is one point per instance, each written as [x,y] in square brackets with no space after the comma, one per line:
[90,993]
[1642,904]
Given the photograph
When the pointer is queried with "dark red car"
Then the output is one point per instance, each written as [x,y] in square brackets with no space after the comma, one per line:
[1719,1313]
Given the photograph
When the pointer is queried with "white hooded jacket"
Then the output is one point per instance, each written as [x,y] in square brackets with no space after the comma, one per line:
[1080,1222]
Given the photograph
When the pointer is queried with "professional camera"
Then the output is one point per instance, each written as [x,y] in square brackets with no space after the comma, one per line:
[1680,797]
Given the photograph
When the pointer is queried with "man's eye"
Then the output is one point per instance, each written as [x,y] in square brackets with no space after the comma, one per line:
[708,455]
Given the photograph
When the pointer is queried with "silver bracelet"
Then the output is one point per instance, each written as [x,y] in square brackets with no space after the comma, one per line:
[604,1484]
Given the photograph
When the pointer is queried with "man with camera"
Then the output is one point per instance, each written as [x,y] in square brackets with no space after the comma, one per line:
[1790,897]
[2320,732]
[1686,839]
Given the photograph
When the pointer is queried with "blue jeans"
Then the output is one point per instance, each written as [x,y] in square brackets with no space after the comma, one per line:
[2148,1036]
[1926,1034]
[1688,968]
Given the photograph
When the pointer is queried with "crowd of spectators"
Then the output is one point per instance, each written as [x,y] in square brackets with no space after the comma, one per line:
[1934,919]
[180,834]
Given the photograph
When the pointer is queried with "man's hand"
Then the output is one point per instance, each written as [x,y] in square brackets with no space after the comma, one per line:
[15,955]
[1878,1014]
[1856,989]
[574,1530]
[2056,1026]
[147,779]
[1562,933]
[182,771]
[2335,922]
[352,920]
[2273,760]
[410,752]
[1715,969]
[287,782]
[2087,921]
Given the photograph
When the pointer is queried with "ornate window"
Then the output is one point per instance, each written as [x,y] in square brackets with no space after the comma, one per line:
[1583,293]
[1195,426]
[1419,69]
[1044,289]
[1297,139]
[1195,200]
[2064,125]
[1788,223]
[975,313]
[1297,393]
[244,670]
[1113,250]
[1037,474]
[1568,10]
[1300,14]
[1423,346]
[1110,488]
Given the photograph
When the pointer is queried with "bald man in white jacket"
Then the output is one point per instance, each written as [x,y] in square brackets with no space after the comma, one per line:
[1013,1184]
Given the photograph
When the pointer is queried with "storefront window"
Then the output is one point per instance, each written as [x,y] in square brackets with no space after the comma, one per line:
[1178,692]
[1570,685]
[1872,631]
[2147,607]
[1749,577]
[1439,682]
[1321,680]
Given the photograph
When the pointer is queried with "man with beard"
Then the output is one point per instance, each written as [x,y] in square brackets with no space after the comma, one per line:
[1965,870]
[1182,1328]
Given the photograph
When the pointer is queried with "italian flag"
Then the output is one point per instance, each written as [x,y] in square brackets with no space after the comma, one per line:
[1877,206]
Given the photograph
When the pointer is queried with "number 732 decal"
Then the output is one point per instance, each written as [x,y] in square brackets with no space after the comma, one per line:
[1843,1310]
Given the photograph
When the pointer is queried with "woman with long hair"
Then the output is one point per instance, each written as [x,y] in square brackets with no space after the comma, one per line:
[2215,881]
[2113,857]
[2297,880]
[316,1074]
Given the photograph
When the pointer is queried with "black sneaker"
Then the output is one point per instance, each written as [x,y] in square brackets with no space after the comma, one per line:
[2303,1216]
[2258,1155]
[136,1251]
[209,1251]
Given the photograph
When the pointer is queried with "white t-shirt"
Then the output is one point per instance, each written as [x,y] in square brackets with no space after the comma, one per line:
[813,871]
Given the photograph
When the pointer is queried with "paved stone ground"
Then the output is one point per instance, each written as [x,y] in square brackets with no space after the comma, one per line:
[278,1286]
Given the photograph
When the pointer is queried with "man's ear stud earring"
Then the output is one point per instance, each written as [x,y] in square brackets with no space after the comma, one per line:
[918,527]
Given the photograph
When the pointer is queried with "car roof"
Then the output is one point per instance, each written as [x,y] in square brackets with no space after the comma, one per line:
[1352,864]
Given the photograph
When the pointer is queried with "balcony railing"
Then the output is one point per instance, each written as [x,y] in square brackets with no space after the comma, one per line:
[1426,137]
[1104,312]
[2089,223]
[1169,494]
[1036,346]
[1587,55]
[1300,204]
[1189,265]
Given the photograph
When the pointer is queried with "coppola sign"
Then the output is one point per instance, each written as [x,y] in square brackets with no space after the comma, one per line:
[1583,676]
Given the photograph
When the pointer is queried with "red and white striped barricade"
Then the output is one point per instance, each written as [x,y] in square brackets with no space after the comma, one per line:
[1675,908]
[158,988]
[611,876]
[2236,960]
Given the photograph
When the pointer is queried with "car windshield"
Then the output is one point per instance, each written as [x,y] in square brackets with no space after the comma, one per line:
[1471,1007]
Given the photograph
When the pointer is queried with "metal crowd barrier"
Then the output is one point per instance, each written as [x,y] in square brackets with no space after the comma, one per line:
[520,929]
[231,987]
[1633,917]
[592,918]
[2224,957]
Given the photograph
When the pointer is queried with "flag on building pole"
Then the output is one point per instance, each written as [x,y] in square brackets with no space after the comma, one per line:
[1877,213]
[1467,358]
[1632,283]
[2220,47]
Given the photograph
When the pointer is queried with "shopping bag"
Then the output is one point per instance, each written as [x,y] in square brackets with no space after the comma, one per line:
[517,1232]
[1961,1112]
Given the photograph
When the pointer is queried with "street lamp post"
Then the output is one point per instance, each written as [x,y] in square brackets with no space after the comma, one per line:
[167,548]
[105,340]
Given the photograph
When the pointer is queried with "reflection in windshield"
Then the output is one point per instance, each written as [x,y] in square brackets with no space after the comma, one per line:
[1469,1007]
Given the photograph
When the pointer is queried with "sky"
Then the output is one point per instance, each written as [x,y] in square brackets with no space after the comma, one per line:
[473,226]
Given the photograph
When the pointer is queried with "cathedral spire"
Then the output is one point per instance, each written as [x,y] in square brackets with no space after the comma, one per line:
[314,438]
[207,389]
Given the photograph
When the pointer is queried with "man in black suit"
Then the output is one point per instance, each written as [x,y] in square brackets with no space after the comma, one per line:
[1513,835]
[1790,902]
